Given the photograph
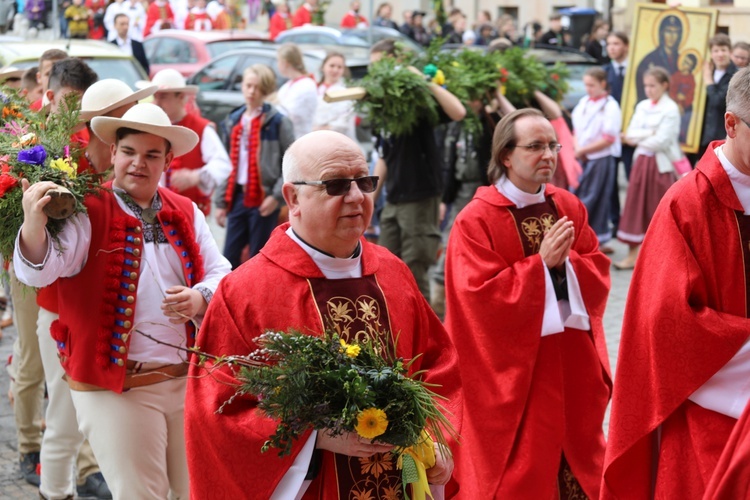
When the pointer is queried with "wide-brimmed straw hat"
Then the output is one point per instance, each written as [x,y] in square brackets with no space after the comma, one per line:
[169,80]
[148,118]
[107,95]
[10,72]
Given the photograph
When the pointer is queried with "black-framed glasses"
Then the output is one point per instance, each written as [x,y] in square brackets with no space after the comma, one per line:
[339,187]
[539,147]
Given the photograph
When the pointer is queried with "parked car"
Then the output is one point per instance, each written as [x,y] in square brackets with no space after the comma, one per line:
[188,51]
[106,59]
[359,37]
[220,81]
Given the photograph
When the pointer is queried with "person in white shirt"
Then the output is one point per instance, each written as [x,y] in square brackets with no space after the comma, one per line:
[596,125]
[136,13]
[336,116]
[654,131]
[298,97]
[126,43]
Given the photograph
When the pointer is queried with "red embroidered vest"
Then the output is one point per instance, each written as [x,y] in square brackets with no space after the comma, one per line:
[193,161]
[97,306]
[254,192]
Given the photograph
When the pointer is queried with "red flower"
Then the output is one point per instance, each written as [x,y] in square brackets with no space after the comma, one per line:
[555,76]
[7,182]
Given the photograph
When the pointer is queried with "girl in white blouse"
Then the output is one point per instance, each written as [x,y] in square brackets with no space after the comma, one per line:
[298,97]
[654,131]
[336,116]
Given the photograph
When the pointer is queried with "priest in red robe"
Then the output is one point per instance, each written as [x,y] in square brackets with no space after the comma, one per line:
[305,276]
[303,15]
[684,358]
[526,288]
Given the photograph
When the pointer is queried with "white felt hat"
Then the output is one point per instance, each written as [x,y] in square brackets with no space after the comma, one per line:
[10,72]
[107,95]
[148,118]
[169,80]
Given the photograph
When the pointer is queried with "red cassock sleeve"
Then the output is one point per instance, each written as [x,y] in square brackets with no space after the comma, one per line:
[495,304]
[224,456]
[684,320]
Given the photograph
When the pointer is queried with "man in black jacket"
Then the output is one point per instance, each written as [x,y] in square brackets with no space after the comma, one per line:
[716,75]
[127,44]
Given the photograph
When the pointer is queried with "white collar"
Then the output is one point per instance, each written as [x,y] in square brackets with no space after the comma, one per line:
[123,41]
[520,198]
[740,181]
[332,267]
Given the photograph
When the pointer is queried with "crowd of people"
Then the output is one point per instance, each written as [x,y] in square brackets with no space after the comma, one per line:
[517,346]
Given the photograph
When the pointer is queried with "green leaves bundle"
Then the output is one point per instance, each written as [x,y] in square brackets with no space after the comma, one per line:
[397,99]
[326,384]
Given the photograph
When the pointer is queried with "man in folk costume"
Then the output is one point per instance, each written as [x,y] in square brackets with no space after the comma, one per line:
[116,342]
[318,262]
[198,18]
[526,289]
[159,16]
[207,165]
[303,15]
[683,363]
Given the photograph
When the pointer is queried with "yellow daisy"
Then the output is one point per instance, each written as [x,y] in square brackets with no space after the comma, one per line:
[371,423]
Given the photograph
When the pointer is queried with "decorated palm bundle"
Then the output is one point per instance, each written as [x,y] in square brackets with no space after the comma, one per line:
[524,75]
[38,148]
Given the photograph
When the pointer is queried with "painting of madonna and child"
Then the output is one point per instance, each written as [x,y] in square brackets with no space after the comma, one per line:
[675,39]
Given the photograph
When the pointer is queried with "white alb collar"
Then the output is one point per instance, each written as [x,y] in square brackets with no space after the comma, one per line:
[520,198]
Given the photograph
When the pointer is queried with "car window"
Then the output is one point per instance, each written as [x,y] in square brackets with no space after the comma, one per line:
[119,68]
[248,61]
[312,39]
[172,51]
[149,46]
[214,76]
[353,41]
[216,49]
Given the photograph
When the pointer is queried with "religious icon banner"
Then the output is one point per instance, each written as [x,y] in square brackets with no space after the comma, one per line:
[675,39]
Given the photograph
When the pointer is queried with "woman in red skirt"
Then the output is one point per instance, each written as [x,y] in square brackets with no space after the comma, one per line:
[654,131]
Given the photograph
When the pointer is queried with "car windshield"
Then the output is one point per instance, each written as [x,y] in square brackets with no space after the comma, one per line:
[120,69]
[218,48]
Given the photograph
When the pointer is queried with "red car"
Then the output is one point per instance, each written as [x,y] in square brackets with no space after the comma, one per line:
[188,51]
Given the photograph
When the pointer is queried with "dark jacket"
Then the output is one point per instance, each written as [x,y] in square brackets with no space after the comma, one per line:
[457,143]
[716,106]
[276,135]
[138,54]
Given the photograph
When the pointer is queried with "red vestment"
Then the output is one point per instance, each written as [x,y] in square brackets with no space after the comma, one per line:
[686,317]
[279,22]
[302,17]
[158,17]
[731,478]
[353,20]
[530,399]
[275,291]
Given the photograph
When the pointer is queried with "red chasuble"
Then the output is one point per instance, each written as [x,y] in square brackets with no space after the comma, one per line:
[534,406]
[686,317]
[731,478]
[279,289]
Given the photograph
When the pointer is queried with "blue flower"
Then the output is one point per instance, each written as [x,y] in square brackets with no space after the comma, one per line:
[34,156]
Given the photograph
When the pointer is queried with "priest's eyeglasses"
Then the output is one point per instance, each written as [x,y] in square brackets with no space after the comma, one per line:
[339,187]
[539,147]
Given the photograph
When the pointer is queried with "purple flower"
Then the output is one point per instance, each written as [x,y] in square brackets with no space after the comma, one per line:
[34,156]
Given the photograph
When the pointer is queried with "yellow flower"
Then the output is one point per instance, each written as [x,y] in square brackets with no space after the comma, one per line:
[352,351]
[439,77]
[371,423]
[66,166]
[455,64]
